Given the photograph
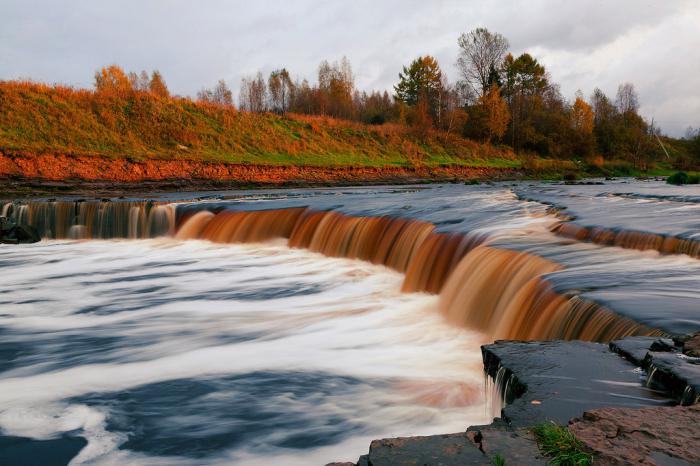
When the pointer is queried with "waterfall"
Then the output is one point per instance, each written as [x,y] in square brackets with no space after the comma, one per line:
[500,292]
[497,291]
[94,219]
[629,239]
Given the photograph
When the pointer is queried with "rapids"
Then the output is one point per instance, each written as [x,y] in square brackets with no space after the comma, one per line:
[159,351]
[295,326]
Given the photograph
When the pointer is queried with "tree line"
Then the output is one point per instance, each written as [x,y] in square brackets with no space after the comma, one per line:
[500,98]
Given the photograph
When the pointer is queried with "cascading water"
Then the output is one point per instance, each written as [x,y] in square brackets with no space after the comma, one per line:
[641,241]
[94,219]
[496,291]
[218,351]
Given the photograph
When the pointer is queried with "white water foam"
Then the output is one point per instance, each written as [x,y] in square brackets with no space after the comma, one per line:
[162,311]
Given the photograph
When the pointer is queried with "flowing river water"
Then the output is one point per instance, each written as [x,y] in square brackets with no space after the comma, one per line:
[295,326]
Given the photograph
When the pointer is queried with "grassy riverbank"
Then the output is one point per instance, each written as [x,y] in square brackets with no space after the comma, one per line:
[178,138]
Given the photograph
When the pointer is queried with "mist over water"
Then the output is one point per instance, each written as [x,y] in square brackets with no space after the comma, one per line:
[189,352]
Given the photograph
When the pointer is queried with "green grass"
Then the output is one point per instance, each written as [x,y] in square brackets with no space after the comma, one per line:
[42,119]
[561,446]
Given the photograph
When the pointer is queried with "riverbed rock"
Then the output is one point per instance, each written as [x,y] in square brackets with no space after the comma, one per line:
[11,233]
[635,349]
[514,446]
[559,380]
[691,347]
[677,373]
[647,436]
[435,450]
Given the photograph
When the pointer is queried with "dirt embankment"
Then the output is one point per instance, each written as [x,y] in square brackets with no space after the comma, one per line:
[53,167]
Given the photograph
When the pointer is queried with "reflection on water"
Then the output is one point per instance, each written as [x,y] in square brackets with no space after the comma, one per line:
[162,351]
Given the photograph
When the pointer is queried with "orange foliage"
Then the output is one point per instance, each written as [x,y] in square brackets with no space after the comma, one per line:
[582,116]
[42,119]
[496,113]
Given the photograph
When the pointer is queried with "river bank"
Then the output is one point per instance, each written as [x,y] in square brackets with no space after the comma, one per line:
[24,175]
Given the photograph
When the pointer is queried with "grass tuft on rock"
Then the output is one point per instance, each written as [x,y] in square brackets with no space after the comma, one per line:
[561,446]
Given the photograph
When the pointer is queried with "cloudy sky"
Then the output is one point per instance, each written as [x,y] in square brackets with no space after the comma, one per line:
[583,44]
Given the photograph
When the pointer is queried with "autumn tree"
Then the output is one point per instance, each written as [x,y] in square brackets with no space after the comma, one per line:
[139,82]
[454,101]
[336,84]
[627,100]
[253,94]
[375,108]
[603,109]
[582,121]
[281,89]
[302,100]
[220,94]
[582,115]
[480,57]
[524,86]
[496,113]
[112,81]
[157,86]
[422,83]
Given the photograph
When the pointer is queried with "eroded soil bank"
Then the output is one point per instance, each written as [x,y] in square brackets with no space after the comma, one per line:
[21,173]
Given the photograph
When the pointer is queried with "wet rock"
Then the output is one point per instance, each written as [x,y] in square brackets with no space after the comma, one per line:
[647,436]
[559,380]
[341,464]
[12,233]
[670,364]
[436,450]
[691,347]
[635,349]
[677,372]
[515,446]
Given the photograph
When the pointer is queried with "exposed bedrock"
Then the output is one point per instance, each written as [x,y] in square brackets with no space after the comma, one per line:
[646,436]
[670,365]
[558,380]
[482,445]
[599,390]
[12,233]
[88,168]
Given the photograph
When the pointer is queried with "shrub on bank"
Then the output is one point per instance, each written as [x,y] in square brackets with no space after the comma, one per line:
[680,178]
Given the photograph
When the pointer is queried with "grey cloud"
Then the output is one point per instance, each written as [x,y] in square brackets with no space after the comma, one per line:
[196,43]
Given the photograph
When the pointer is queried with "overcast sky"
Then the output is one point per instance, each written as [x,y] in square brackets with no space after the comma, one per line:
[583,44]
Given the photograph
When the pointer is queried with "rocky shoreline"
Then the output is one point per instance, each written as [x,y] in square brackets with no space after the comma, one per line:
[634,401]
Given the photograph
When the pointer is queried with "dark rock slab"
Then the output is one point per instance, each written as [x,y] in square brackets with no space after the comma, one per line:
[11,233]
[435,450]
[647,436]
[559,380]
[635,349]
[670,365]
[515,446]
[677,372]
